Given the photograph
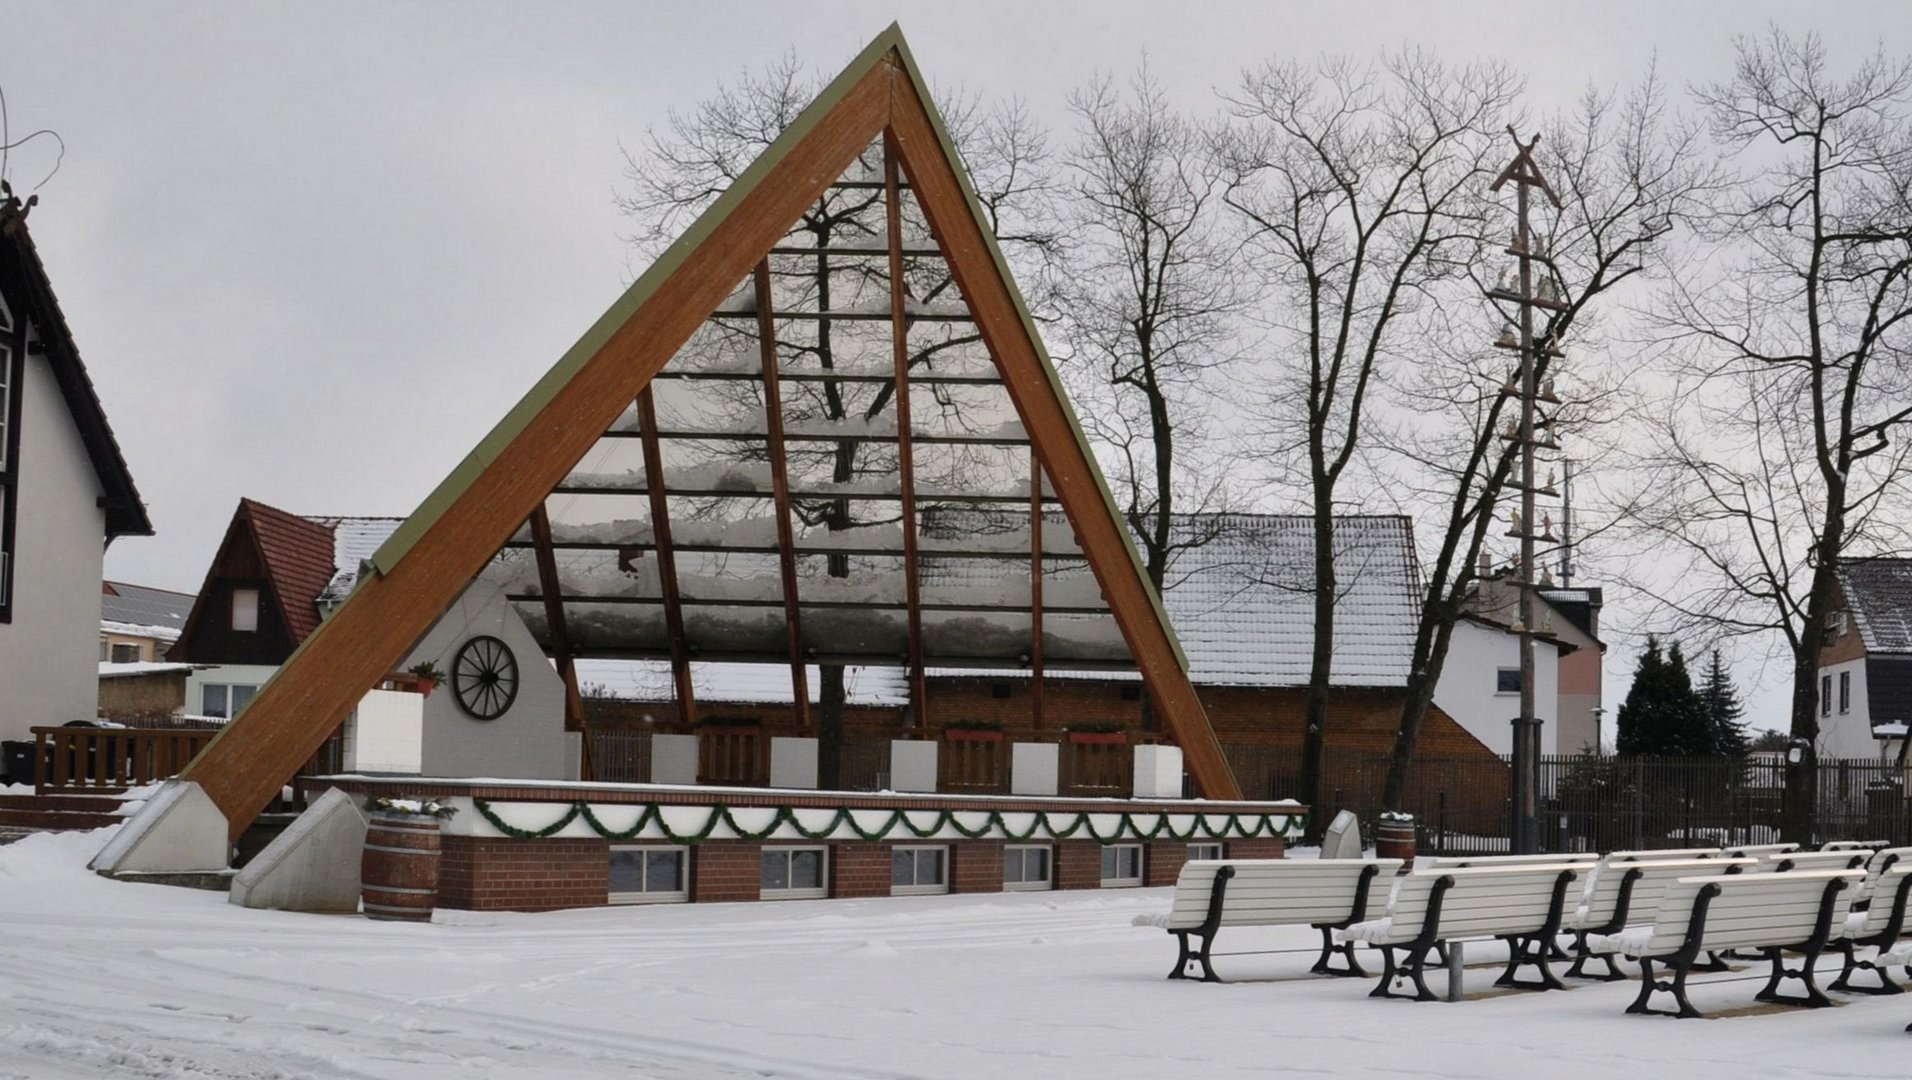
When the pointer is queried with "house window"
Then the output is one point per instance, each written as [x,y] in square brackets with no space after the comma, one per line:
[1507,681]
[1025,868]
[1131,693]
[1825,695]
[245,610]
[1204,851]
[224,700]
[1845,692]
[794,873]
[649,875]
[999,691]
[1121,866]
[125,654]
[919,871]
[11,372]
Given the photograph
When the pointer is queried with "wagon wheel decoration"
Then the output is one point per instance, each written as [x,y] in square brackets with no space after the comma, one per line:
[485,678]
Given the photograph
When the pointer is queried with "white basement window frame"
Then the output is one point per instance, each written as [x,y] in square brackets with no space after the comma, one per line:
[795,873]
[1198,852]
[1121,866]
[1027,868]
[919,870]
[649,874]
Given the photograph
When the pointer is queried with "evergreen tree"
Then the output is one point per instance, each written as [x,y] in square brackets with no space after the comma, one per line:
[1662,714]
[1723,710]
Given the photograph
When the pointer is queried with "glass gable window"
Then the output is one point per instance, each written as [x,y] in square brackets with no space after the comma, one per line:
[919,870]
[245,610]
[794,873]
[649,875]
[1025,868]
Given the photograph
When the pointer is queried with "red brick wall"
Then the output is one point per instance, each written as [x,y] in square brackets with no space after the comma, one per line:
[726,871]
[1162,861]
[1265,848]
[976,866]
[1078,864]
[480,874]
[859,870]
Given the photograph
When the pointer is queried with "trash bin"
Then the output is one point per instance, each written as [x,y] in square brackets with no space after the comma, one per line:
[16,762]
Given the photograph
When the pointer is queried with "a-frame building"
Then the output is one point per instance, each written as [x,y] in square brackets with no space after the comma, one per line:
[737,460]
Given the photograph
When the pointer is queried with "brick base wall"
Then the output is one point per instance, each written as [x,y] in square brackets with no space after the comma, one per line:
[726,871]
[1078,864]
[477,874]
[976,866]
[859,870]
[1262,848]
[1162,862]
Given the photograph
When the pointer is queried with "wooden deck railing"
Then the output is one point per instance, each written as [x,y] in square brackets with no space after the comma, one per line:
[94,758]
[733,756]
[973,763]
[1097,767]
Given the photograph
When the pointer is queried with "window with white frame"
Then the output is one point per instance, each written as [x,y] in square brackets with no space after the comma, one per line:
[795,873]
[245,610]
[1025,868]
[919,871]
[224,700]
[1121,865]
[649,875]
[1204,851]
[1845,692]
[124,653]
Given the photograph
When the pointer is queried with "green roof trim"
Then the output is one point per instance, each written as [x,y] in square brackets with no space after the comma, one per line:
[526,410]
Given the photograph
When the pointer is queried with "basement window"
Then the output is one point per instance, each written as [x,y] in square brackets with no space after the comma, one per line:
[794,873]
[649,875]
[1204,851]
[1121,866]
[919,871]
[1025,868]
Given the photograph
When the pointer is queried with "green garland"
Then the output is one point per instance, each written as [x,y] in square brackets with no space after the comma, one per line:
[993,823]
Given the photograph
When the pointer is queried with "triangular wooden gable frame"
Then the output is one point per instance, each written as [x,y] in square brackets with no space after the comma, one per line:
[452,535]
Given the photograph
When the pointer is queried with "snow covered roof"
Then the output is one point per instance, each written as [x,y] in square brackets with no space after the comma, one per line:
[354,541]
[1879,595]
[109,670]
[736,683]
[138,611]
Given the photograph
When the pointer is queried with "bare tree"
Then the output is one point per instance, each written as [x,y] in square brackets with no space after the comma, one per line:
[1151,296]
[1364,190]
[1785,445]
[1626,171]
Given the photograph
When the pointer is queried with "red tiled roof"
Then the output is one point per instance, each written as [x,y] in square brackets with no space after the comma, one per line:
[298,558]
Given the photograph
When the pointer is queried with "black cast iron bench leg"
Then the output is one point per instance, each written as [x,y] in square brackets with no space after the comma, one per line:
[1324,965]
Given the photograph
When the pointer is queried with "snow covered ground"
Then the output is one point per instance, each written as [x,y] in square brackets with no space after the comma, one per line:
[100,978]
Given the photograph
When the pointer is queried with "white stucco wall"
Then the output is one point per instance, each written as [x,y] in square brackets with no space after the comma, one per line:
[49,670]
[528,741]
[1847,734]
[1466,688]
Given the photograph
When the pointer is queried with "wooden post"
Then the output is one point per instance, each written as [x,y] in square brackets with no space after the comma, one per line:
[905,453]
[553,593]
[780,494]
[666,557]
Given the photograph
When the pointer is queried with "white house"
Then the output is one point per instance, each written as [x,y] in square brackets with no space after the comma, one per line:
[1865,666]
[65,493]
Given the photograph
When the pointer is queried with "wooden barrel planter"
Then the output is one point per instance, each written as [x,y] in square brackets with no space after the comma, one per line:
[1394,839]
[398,872]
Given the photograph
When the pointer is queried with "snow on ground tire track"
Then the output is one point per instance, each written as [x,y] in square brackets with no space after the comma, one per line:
[99,978]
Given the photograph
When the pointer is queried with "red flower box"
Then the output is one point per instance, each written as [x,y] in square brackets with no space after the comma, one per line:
[1100,738]
[972,735]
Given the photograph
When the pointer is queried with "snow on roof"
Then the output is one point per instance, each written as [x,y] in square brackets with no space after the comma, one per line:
[163,634]
[109,670]
[1879,594]
[736,683]
[1889,731]
[354,540]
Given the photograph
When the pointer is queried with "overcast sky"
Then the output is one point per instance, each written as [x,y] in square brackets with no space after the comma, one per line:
[312,253]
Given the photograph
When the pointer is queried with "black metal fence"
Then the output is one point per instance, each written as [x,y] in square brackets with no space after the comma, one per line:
[1589,803]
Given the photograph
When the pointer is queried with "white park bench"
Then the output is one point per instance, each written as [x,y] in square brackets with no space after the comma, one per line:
[1854,845]
[1878,927]
[1622,891]
[1326,894]
[1464,862]
[1754,851]
[1881,863]
[1799,911]
[1840,859]
[1900,955]
[1523,904]
[1663,854]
